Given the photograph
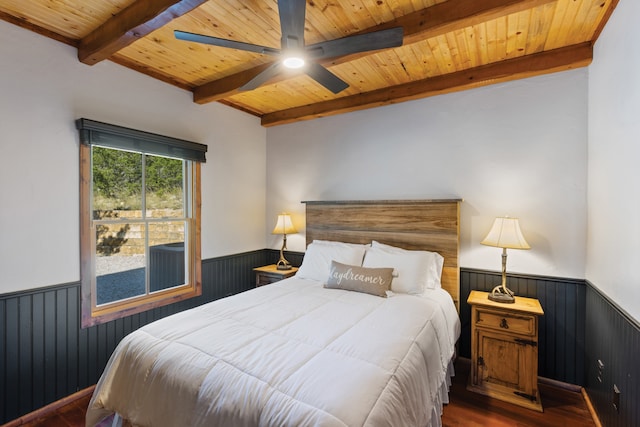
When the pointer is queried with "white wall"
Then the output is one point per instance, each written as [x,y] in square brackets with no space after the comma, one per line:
[614,154]
[516,149]
[43,89]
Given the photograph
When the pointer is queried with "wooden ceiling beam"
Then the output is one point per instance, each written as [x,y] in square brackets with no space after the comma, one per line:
[226,86]
[426,23]
[562,59]
[134,22]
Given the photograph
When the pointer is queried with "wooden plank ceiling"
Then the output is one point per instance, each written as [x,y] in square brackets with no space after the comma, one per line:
[448,45]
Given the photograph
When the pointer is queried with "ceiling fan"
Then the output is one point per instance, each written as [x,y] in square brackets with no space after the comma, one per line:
[295,54]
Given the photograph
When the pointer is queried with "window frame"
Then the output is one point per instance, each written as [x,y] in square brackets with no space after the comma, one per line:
[91,313]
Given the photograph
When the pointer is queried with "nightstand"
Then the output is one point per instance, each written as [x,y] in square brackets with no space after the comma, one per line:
[504,349]
[270,273]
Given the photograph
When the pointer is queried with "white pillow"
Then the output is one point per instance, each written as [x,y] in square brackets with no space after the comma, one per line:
[335,243]
[317,259]
[414,270]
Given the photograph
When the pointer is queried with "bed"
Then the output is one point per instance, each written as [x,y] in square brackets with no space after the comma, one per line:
[361,335]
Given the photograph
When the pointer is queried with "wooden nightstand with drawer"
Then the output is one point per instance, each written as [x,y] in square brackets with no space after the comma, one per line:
[504,349]
[270,273]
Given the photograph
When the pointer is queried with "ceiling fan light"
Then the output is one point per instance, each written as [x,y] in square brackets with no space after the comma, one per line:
[293,62]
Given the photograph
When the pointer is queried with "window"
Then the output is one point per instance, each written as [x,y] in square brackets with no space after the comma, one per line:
[139,219]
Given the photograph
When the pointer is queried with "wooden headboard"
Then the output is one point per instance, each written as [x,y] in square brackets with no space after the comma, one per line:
[432,225]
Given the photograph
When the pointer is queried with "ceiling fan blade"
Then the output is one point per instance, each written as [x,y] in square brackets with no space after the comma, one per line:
[263,77]
[326,78]
[357,43]
[292,13]
[215,41]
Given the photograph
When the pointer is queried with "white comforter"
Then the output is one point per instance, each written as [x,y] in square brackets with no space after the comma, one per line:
[288,354]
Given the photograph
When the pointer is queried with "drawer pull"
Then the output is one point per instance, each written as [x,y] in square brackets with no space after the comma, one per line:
[504,324]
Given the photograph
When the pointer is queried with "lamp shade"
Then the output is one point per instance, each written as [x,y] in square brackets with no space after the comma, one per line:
[506,233]
[284,225]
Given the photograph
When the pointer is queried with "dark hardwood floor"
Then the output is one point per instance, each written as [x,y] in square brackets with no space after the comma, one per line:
[562,407]
[69,415]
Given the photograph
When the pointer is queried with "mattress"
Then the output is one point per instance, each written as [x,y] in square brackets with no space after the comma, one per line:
[290,353]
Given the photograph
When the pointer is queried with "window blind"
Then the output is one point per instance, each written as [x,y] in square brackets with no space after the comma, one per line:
[112,136]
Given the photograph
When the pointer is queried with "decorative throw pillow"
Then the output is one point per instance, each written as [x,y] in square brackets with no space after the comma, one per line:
[374,281]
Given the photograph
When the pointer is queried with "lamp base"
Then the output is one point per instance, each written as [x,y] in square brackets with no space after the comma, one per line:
[498,294]
[283,265]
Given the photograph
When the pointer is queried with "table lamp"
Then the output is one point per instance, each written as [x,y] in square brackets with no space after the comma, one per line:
[505,234]
[284,226]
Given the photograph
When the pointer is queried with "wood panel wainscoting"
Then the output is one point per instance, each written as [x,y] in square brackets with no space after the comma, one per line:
[561,331]
[47,356]
[612,348]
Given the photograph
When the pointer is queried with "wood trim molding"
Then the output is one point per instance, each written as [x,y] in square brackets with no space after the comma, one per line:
[92,314]
[378,202]
[591,408]
[50,408]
